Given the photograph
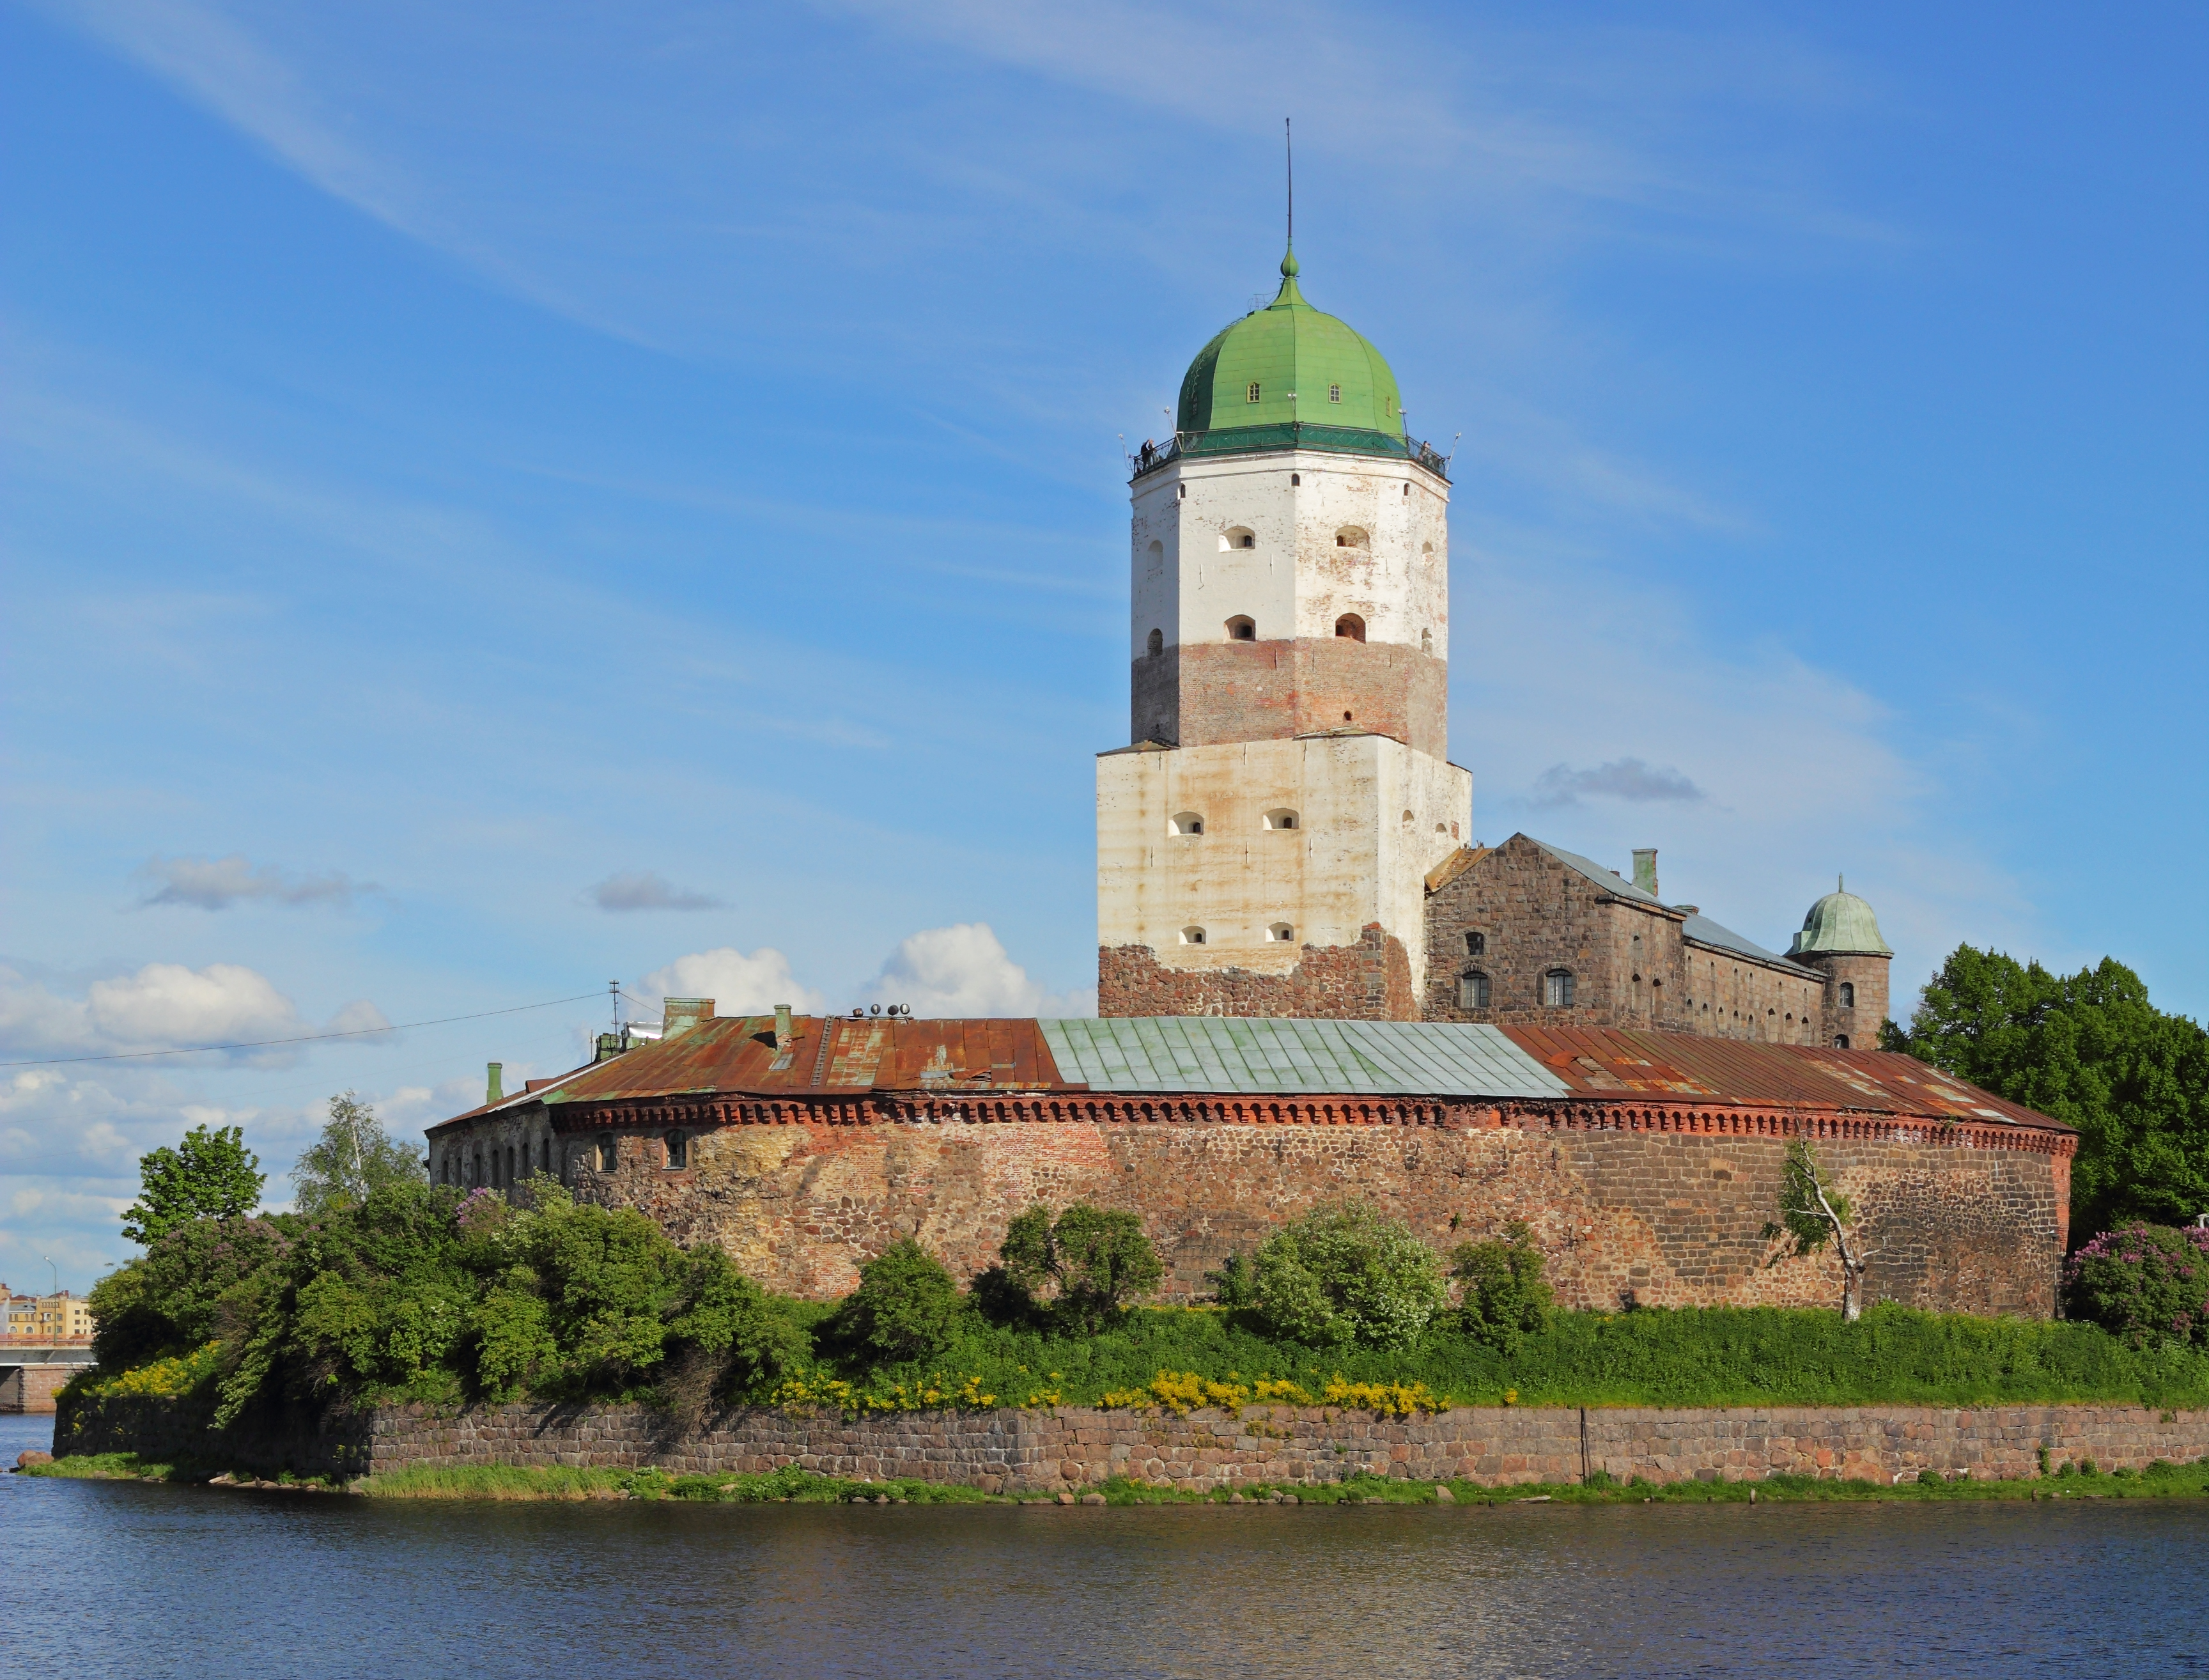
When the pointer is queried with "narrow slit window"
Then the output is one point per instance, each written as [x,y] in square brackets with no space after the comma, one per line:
[1157,643]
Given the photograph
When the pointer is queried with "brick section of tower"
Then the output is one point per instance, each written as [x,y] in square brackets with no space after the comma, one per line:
[1370,980]
[1201,693]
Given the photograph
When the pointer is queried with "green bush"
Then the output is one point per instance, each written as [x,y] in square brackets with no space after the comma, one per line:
[2148,1283]
[1091,1261]
[907,1306]
[1505,1296]
[1344,1276]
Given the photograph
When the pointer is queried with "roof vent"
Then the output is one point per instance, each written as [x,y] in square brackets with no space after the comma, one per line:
[679,1014]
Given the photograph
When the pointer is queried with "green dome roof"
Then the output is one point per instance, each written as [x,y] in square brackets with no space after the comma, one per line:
[1840,923]
[1305,366]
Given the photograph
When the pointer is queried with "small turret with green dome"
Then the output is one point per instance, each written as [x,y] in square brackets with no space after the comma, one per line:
[1289,376]
[1841,924]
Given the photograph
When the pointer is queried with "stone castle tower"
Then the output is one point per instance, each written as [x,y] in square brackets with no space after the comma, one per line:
[1840,938]
[1262,847]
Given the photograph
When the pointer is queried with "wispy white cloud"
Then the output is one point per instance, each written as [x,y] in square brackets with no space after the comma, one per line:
[1626,778]
[162,1006]
[647,889]
[217,884]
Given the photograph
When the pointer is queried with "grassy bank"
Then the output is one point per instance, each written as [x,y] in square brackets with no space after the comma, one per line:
[1686,1357]
[798,1487]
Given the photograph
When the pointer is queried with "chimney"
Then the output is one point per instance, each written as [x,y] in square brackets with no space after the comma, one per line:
[784,1033]
[680,1014]
[1645,869]
[494,1084]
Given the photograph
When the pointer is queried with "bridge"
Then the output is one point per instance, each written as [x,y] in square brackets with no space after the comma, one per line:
[33,1367]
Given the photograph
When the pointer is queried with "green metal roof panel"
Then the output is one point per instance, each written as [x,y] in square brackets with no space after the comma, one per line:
[1295,356]
[1192,1053]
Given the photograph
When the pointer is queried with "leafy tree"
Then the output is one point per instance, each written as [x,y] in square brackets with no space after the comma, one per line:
[1345,1274]
[1095,1260]
[907,1305]
[210,1175]
[2149,1284]
[353,1156]
[2088,1049]
[1507,1298]
[1235,1285]
[1812,1213]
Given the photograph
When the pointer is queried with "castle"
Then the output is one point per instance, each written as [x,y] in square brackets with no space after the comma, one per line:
[1286,835]
[1312,984]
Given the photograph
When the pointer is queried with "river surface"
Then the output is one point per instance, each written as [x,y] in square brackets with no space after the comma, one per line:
[142,1580]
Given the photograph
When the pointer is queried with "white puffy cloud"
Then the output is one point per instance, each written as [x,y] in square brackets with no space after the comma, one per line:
[739,984]
[1627,779]
[216,883]
[964,970]
[163,1006]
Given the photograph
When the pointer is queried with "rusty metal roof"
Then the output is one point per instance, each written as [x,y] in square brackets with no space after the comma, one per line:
[838,1056]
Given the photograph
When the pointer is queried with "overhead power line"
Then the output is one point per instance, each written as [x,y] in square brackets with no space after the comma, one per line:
[302,1038]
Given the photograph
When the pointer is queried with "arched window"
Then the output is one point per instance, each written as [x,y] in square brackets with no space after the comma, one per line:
[1157,643]
[545,1156]
[509,1163]
[1192,935]
[1350,537]
[1476,944]
[476,1178]
[1188,822]
[1157,555]
[1557,987]
[1473,990]
[1840,1041]
[1237,536]
[1350,627]
[1241,630]
[678,1150]
[608,1154]
[1253,391]
[1848,994]
[1280,819]
[1281,933]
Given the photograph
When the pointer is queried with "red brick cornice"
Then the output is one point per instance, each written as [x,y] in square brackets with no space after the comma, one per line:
[1094,1108]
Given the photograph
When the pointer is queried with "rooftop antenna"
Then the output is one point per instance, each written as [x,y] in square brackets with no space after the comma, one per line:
[613,986]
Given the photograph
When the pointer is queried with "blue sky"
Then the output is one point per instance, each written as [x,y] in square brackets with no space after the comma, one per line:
[500,498]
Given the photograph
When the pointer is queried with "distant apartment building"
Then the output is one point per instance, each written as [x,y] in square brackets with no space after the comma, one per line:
[49,1317]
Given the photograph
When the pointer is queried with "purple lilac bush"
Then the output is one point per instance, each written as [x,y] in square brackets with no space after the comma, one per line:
[2147,1283]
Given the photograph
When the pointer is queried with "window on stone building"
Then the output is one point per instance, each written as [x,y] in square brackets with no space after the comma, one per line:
[1840,1041]
[1350,537]
[1476,944]
[1253,391]
[1334,394]
[608,1156]
[545,1156]
[1848,995]
[678,1150]
[1473,990]
[1557,987]
[1350,627]
[1280,819]
[1188,822]
[1237,537]
[1241,630]
[1157,643]
[1282,932]
[476,1178]
[509,1163]
[1426,641]
[1192,935]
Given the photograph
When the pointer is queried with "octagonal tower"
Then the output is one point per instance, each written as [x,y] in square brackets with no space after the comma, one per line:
[1262,846]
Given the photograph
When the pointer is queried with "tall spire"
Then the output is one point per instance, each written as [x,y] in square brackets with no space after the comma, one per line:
[1288,293]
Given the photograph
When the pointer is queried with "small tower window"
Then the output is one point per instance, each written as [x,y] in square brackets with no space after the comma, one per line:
[1249,541]
[1334,394]
[1192,935]
[1241,630]
[1350,537]
[1188,822]
[1473,990]
[1237,536]
[1426,641]
[678,1150]
[1281,932]
[1157,643]
[1350,627]
[1840,1041]
[1280,819]
[608,1154]
[1848,994]
[1557,987]
[1253,391]
[1476,944]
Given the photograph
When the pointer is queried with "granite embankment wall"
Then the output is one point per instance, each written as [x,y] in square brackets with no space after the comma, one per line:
[1073,1447]
[1958,1219]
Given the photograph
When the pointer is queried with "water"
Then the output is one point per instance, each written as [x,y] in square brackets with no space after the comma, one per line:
[141,1580]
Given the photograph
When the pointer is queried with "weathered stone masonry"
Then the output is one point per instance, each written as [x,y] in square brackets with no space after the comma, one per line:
[1659,1204]
[1075,1447]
